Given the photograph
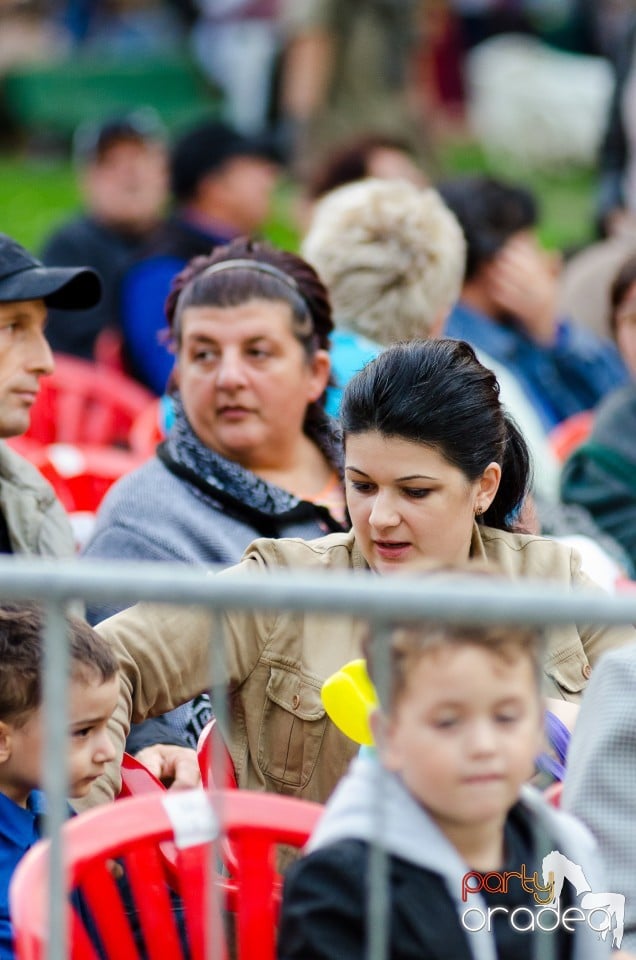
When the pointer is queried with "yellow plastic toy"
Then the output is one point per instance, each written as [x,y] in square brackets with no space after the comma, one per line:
[349,698]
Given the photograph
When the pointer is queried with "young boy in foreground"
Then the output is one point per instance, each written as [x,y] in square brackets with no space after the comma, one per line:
[456,741]
[92,696]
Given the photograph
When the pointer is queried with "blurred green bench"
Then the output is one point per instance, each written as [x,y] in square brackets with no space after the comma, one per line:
[52,99]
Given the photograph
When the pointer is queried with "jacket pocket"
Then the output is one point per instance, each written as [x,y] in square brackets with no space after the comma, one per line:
[570,676]
[292,728]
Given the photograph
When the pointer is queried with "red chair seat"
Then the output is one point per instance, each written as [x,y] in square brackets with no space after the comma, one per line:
[130,832]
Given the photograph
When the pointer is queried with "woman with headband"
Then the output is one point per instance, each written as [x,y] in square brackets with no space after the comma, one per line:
[251,452]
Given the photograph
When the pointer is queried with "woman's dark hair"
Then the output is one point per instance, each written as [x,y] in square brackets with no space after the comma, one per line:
[437,393]
[350,162]
[245,270]
[624,279]
[277,275]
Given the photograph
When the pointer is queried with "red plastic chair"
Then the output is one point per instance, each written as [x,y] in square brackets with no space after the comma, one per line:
[137,779]
[80,474]
[130,831]
[147,429]
[215,762]
[217,772]
[83,402]
[570,434]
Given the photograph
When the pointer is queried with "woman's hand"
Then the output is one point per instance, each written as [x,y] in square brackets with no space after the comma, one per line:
[176,767]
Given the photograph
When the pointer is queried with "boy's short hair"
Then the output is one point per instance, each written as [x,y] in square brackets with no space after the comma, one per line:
[22,628]
[409,643]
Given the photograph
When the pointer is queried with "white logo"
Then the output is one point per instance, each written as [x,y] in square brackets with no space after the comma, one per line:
[602,912]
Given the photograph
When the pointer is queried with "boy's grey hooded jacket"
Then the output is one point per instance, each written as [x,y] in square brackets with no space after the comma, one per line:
[372,803]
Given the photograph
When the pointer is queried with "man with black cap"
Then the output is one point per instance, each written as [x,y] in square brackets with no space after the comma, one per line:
[222,183]
[32,521]
[123,174]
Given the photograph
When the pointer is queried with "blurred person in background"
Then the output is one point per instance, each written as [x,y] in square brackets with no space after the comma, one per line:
[368,154]
[508,304]
[125,27]
[122,168]
[237,44]
[600,475]
[350,66]
[221,184]
[589,273]
[616,200]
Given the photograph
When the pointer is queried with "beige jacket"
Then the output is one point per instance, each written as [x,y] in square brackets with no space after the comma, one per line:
[36,520]
[279,736]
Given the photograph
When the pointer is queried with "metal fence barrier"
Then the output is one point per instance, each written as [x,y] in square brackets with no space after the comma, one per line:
[380,601]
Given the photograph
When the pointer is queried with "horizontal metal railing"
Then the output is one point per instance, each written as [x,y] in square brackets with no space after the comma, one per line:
[379,600]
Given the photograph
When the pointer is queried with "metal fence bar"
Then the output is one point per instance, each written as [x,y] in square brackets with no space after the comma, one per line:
[217,667]
[55,683]
[490,600]
[378,900]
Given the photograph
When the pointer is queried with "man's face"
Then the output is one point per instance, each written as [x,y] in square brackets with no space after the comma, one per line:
[240,193]
[127,187]
[25,356]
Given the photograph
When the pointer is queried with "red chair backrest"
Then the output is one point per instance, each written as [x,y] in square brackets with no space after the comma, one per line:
[130,832]
[83,402]
[137,779]
[215,762]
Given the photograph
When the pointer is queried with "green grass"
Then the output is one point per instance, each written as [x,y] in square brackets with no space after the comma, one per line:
[566,198]
[37,194]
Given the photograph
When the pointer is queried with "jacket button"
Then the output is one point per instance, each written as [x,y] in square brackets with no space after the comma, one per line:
[295,701]
[587,671]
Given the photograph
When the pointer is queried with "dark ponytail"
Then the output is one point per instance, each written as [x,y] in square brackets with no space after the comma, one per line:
[516,478]
[437,393]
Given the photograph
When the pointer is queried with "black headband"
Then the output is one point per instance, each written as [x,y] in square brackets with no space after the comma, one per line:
[243,263]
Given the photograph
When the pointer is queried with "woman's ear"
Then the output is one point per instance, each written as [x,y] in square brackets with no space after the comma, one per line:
[320,370]
[487,486]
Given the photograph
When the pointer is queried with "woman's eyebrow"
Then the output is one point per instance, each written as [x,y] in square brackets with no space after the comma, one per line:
[414,476]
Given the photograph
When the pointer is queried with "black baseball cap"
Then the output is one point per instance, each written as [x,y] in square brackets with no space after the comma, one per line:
[23,277]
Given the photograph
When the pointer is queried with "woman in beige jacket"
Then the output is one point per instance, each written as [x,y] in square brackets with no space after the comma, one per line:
[435,472]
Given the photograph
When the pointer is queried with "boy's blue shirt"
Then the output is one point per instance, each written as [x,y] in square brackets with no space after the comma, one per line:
[20,828]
